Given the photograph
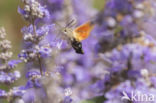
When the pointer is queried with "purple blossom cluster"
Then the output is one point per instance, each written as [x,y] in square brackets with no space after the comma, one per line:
[118,64]
[7,75]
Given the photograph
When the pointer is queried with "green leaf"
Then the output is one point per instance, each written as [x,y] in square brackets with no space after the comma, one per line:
[99,99]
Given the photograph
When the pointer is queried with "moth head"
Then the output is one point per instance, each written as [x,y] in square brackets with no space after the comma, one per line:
[67,31]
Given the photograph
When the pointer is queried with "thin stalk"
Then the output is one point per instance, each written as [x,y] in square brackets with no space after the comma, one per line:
[40,64]
[38,56]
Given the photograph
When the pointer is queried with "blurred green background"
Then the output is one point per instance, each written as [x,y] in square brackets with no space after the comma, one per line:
[12,22]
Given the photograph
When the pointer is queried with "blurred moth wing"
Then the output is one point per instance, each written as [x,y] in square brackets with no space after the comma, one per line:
[75,36]
[82,32]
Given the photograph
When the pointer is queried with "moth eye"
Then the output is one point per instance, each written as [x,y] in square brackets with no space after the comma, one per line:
[65,31]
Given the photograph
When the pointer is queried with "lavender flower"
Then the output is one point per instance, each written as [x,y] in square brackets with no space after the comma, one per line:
[33,10]
[128,58]
[6,65]
[36,52]
[33,35]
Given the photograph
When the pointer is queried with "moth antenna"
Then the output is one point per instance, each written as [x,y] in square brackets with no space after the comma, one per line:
[71,23]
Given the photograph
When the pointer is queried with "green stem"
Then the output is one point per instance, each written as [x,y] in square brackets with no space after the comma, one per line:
[38,56]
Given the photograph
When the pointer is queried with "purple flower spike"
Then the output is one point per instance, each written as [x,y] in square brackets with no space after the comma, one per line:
[67,99]
[3,94]
[13,63]
[33,10]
